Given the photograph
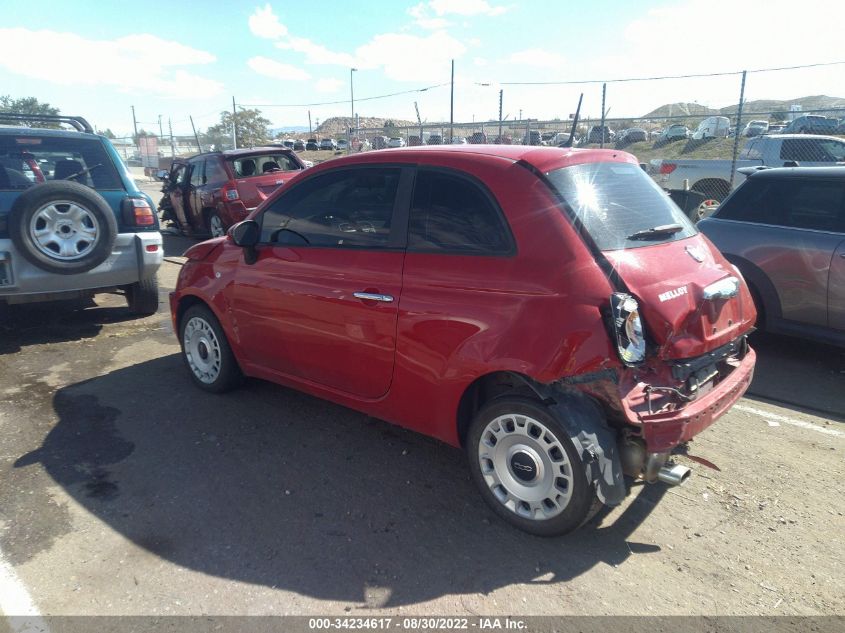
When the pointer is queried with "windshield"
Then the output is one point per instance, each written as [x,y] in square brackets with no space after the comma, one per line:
[617,202]
[28,160]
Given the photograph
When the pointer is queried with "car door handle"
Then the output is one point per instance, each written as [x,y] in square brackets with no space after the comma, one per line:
[372,296]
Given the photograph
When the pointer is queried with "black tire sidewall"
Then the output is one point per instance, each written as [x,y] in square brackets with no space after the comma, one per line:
[42,194]
[230,373]
[583,494]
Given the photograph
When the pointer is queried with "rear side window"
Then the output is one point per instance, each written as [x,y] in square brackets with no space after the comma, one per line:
[249,166]
[344,208]
[450,213]
[812,150]
[789,202]
[215,174]
[617,202]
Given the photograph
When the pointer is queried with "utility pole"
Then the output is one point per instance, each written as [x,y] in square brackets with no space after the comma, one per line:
[160,130]
[310,132]
[134,122]
[352,112]
[199,147]
[172,146]
[736,129]
[234,124]
[452,106]
[603,113]
[419,120]
[501,96]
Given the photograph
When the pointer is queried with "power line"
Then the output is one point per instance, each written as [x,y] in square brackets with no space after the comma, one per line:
[690,76]
[310,105]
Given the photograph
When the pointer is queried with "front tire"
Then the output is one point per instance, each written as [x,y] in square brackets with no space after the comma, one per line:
[527,468]
[206,351]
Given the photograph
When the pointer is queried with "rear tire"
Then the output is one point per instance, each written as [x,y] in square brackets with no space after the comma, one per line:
[142,296]
[527,468]
[206,351]
[214,223]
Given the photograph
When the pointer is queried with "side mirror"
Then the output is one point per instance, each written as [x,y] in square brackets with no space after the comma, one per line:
[245,234]
[163,174]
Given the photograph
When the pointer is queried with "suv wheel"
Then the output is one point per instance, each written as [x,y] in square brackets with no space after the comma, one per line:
[62,227]
[527,468]
[215,224]
[142,296]
[206,351]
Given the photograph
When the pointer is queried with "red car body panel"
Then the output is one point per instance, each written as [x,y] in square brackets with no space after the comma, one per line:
[291,318]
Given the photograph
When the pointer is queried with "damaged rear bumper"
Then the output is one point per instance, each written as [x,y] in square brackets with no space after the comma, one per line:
[673,417]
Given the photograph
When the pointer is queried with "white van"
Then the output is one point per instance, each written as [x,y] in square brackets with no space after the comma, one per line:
[713,127]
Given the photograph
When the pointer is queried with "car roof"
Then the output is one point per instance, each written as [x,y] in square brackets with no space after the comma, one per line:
[247,151]
[19,130]
[542,158]
[800,172]
[826,137]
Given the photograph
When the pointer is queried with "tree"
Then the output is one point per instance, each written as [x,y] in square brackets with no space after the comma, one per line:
[390,128]
[141,132]
[29,105]
[252,129]
[107,133]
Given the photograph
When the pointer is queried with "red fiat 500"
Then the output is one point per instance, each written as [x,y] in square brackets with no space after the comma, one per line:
[549,310]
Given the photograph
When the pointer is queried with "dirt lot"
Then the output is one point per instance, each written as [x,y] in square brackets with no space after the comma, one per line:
[125,490]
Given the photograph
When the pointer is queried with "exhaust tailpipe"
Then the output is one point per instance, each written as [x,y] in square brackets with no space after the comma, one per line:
[673,474]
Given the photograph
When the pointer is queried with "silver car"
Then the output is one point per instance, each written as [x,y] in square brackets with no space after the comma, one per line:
[784,229]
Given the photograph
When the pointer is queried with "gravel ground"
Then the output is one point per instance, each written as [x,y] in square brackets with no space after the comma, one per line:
[126,491]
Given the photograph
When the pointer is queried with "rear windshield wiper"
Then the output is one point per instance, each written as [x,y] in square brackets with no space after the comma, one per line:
[655,231]
[83,172]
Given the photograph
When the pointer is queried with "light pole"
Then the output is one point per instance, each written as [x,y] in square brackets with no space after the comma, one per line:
[352,113]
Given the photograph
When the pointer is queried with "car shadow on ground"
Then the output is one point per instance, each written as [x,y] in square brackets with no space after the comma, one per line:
[781,360]
[59,321]
[267,485]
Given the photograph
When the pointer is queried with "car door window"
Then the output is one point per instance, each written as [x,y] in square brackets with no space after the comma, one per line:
[808,150]
[178,177]
[343,208]
[452,214]
[790,202]
[198,173]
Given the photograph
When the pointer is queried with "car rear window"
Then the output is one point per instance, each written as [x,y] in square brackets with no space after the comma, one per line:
[614,201]
[28,160]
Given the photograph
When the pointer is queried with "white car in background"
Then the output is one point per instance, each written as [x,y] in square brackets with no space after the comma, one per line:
[712,127]
[396,141]
[459,140]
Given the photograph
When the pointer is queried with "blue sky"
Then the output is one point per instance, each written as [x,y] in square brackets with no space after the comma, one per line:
[179,58]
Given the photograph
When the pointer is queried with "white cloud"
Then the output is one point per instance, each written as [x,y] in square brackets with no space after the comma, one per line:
[402,56]
[277,70]
[329,85]
[264,23]
[536,57]
[316,53]
[465,7]
[125,63]
[423,19]
[406,57]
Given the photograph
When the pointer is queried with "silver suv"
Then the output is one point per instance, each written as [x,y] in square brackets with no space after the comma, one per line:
[72,220]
